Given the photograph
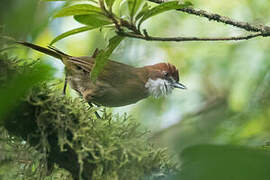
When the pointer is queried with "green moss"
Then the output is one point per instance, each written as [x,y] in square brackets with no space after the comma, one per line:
[67,133]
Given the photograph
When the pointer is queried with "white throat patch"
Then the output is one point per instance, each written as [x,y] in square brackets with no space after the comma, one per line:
[158,87]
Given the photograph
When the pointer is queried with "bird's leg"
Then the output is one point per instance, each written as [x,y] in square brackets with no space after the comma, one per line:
[87,95]
[65,85]
[96,113]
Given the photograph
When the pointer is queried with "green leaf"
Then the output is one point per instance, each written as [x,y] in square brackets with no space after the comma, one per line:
[145,8]
[78,9]
[123,9]
[103,56]
[110,3]
[96,20]
[167,6]
[71,32]
[133,6]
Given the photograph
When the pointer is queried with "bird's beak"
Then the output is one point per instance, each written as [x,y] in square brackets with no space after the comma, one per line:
[179,85]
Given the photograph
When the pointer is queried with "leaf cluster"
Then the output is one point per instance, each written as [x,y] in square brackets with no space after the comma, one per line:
[121,16]
[129,14]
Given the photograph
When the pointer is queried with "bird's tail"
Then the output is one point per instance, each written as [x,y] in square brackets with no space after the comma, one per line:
[52,51]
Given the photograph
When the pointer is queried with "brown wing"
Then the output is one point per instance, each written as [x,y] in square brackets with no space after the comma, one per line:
[112,67]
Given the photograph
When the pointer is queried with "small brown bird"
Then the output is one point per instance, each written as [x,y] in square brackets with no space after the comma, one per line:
[118,84]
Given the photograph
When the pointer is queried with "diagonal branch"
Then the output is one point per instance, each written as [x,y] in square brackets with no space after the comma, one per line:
[265,30]
[223,19]
[260,30]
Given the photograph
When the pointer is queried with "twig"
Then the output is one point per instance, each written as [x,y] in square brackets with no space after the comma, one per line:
[178,39]
[110,15]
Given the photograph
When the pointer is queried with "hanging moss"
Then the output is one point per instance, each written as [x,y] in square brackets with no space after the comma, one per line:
[67,132]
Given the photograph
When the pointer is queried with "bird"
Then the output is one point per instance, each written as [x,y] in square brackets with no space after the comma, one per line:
[118,84]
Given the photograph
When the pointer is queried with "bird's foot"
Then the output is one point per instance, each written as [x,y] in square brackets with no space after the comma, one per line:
[96,113]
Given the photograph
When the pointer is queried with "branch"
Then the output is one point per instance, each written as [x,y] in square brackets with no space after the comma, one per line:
[223,19]
[179,39]
[135,32]
[265,30]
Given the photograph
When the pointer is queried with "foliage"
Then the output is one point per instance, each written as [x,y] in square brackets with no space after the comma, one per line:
[27,79]
[18,19]
[64,131]
[224,162]
[103,56]
[103,15]
[71,32]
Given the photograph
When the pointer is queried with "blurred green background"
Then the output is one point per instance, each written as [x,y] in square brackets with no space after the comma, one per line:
[228,97]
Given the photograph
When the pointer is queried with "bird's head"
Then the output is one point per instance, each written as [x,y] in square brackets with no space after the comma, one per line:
[162,79]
